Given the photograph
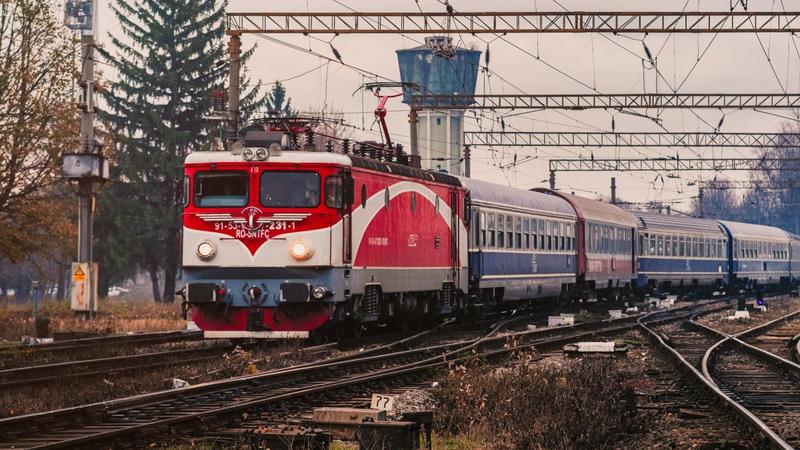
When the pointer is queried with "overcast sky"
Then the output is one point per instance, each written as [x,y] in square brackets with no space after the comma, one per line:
[610,64]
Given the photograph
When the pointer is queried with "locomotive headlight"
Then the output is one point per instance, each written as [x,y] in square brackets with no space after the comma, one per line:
[319,292]
[300,250]
[262,154]
[206,250]
[248,154]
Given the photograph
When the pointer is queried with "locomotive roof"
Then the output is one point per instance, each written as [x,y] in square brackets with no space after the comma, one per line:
[595,210]
[670,223]
[741,230]
[406,171]
[293,156]
[296,156]
[495,193]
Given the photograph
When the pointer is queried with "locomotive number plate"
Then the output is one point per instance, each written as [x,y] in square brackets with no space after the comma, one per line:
[278,225]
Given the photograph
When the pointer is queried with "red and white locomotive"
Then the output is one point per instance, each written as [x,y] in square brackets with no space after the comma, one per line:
[280,242]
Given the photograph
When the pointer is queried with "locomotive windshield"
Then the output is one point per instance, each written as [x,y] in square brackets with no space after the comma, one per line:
[221,189]
[290,189]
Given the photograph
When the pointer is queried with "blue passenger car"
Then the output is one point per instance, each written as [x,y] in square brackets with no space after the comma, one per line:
[760,255]
[678,253]
[794,257]
[522,244]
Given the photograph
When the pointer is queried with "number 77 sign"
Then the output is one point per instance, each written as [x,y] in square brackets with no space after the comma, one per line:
[383,402]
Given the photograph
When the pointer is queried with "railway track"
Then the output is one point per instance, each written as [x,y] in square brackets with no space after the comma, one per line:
[764,383]
[63,371]
[729,375]
[71,345]
[780,337]
[228,400]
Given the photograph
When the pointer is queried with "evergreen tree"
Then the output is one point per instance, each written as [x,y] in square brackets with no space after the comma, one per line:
[167,66]
[278,103]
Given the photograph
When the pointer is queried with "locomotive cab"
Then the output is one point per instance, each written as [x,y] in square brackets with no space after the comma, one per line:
[266,244]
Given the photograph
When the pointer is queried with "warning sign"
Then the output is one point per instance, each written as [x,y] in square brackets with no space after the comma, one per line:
[79,275]
[83,290]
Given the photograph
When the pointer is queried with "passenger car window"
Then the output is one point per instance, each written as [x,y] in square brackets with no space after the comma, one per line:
[501,231]
[221,189]
[491,227]
[290,189]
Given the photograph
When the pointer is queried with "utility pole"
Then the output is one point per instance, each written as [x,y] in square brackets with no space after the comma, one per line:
[415,157]
[467,161]
[613,190]
[85,198]
[86,169]
[235,53]
[700,202]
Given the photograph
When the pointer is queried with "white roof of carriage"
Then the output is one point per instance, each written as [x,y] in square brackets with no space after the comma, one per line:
[482,191]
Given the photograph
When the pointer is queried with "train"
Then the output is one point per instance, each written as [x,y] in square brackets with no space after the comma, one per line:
[282,241]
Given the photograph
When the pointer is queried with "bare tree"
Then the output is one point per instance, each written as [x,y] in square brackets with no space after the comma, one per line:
[331,128]
[718,202]
[37,119]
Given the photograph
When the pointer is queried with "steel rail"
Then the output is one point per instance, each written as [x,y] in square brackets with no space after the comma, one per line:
[295,376]
[43,373]
[123,339]
[433,362]
[735,338]
[757,424]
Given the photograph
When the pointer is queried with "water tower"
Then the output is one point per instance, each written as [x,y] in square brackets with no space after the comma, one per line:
[441,69]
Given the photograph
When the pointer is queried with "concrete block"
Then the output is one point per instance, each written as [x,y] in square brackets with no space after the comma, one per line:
[595,348]
[30,340]
[615,313]
[632,310]
[740,315]
[562,320]
[531,327]
[762,308]
[347,415]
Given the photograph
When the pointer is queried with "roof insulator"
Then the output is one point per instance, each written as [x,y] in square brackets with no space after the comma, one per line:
[336,52]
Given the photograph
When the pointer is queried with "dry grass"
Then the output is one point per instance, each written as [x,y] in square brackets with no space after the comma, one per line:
[115,316]
[571,404]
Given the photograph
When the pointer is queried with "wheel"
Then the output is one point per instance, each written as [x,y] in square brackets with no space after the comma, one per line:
[318,337]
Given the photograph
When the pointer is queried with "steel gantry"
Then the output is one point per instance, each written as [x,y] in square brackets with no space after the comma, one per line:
[513,22]
[605,101]
[672,164]
[669,165]
[746,184]
[638,139]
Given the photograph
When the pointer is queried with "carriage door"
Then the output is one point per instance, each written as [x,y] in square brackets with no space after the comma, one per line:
[454,226]
[348,194]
